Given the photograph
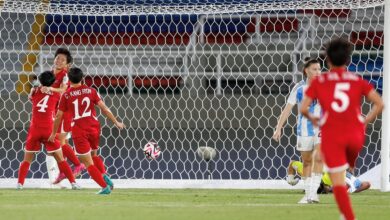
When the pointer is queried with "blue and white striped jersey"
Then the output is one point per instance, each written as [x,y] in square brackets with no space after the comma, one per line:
[305,127]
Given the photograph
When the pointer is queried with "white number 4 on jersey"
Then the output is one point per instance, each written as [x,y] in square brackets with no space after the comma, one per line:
[43,104]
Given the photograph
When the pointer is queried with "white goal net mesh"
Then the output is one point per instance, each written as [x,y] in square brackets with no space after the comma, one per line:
[186,74]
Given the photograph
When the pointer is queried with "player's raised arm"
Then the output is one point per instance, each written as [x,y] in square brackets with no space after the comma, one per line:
[377,106]
[31,93]
[61,90]
[57,122]
[107,112]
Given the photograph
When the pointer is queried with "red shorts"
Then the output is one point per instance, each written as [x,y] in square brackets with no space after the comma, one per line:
[65,125]
[39,135]
[341,148]
[85,139]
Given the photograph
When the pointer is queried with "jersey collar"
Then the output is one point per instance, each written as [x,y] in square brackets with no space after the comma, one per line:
[338,70]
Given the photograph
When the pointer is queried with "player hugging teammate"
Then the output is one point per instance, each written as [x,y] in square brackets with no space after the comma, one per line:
[77,107]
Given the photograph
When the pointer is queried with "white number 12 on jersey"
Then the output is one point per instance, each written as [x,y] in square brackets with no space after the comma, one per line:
[341,95]
[86,113]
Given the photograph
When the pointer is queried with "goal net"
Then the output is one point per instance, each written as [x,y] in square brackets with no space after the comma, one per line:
[186,74]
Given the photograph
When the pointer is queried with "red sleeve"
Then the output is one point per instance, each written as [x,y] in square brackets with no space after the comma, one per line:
[312,90]
[62,106]
[366,87]
[96,96]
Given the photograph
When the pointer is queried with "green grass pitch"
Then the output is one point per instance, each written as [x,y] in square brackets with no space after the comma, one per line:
[184,204]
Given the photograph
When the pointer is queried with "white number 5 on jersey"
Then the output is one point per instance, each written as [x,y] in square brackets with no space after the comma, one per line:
[341,95]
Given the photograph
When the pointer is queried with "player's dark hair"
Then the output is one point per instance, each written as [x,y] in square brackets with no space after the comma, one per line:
[46,78]
[66,52]
[338,52]
[75,75]
[308,62]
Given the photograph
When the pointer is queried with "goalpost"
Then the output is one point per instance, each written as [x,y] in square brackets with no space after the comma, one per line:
[189,74]
[385,168]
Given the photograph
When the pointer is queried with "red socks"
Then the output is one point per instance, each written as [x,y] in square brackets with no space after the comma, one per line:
[343,201]
[65,168]
[96,175]
[23,170]
[98,162]
[68,152]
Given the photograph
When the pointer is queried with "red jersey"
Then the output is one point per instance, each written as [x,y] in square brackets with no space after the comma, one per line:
[80,102]
[61,77]
[339,93]
[43,107]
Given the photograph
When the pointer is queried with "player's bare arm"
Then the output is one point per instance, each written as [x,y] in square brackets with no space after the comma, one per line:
[57,122]
[30,94]
[282,119]
[377,106]
[107,112]
[60,90]
[305,111]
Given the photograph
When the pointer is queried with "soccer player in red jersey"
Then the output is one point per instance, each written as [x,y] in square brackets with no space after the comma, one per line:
[62,62]
[43,108]
[340,93]
[80,100]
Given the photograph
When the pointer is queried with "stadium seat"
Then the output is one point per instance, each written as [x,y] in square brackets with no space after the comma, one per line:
[119,30]
[107,84]
[328,13]
[274,24]
[367,39]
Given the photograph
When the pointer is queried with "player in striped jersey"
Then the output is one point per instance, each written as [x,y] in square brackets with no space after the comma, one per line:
[353,183]
[308,136]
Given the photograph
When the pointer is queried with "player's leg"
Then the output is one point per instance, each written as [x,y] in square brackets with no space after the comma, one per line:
[95,173]
[24,167]
[52,168]
[318,165]
[78,166]
[54,148]
[316,174]
[363,186]
[306,150]
[335,157]
[68,153]
[65,168]
[33,145]
[353,151]
[307,161]
[98,161]
[83,149]
[67,150]
[306,175]
[341,194]
[93,139]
